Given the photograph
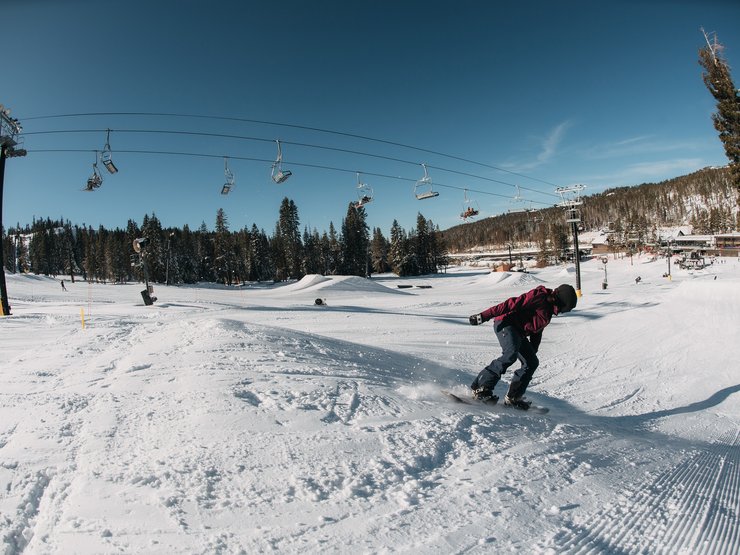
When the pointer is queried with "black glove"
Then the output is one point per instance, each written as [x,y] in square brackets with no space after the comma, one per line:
[476,319]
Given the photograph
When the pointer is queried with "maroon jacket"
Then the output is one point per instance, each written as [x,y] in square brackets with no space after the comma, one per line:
[529,312]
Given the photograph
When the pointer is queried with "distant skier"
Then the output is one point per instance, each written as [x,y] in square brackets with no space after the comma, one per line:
[63,287]
[518,323]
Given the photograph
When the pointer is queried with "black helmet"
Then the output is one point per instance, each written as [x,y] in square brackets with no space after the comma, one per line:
[565,298]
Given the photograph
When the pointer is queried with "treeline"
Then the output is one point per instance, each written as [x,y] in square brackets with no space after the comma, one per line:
[174,255]
[708,200]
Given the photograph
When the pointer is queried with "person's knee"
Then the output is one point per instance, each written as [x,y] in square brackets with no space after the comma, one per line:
[508,358]
[534,363]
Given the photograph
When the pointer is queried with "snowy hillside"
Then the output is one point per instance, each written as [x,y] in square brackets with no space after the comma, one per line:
[248,420]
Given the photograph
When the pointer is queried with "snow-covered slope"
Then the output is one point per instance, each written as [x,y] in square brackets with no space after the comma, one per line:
[252,420]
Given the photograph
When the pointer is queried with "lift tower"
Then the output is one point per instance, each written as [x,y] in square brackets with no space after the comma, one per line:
[571,200]
[10,147]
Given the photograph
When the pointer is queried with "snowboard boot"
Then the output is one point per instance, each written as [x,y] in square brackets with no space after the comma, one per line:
[520,403]
[485,395]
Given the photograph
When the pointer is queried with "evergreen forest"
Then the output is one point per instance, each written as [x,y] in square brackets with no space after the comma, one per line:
[220,255]
[707,200]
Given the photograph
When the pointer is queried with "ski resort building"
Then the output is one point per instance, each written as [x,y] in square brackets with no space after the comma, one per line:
[723,244]
[728,244]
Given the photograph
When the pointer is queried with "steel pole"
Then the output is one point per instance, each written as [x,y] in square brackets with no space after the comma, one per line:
[577,258]
[3,288]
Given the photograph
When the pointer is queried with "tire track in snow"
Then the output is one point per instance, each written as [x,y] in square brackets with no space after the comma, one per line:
[692,508]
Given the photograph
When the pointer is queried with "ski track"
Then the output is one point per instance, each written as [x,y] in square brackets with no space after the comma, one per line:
[308,425]
[102,432]
[691,508]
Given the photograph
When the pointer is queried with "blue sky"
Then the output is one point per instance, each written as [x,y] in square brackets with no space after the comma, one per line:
[551,93]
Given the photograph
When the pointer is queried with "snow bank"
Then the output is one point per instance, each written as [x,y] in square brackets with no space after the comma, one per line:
[510,279]
[311,280]
[238,420]
[343,284]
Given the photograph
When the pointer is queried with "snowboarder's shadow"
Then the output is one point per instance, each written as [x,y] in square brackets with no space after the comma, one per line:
[712,401]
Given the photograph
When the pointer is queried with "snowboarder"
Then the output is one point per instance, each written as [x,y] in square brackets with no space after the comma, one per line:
[518,324]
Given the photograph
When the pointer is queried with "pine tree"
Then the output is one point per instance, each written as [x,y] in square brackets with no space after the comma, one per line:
[287,242]
[8,251]
[397,252]
[334,251]
[243,252]
[355,243]
[726,120]
[183,248]
[560,239]
[423,245]
[204,254]
[116,257]
[223,251]
[543,246]
[379,249]
[154,253]
[69,265]
[312,263]
[262,268]
[440,258]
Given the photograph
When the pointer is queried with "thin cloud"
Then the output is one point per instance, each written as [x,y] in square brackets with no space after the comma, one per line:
[549,147]
[646,172]
[632,140]
[639,145]
[551,143]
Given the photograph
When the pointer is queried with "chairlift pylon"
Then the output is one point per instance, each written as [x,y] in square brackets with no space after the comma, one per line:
[96,179]
[470,208]
[278,174]
[423,187]
[230,182]
[106,156]
[364,193]
[518,195]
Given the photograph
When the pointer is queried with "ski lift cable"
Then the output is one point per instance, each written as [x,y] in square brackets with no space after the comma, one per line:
[490,179]
[300,164]
[292,143]
[294,126]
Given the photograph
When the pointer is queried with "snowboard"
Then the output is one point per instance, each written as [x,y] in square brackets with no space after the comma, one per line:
[536,409]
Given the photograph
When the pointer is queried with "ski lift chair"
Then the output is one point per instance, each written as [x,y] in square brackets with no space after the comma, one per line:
[96,179]
[278,174]
[423,187]
[226,189]
[470,209]
[469,212]
[364,193]
[106,156]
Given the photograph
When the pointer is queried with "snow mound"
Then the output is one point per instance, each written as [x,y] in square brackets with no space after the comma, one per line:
[513,279]
[311,280]
[496,277]
[523,279]
[352,284]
